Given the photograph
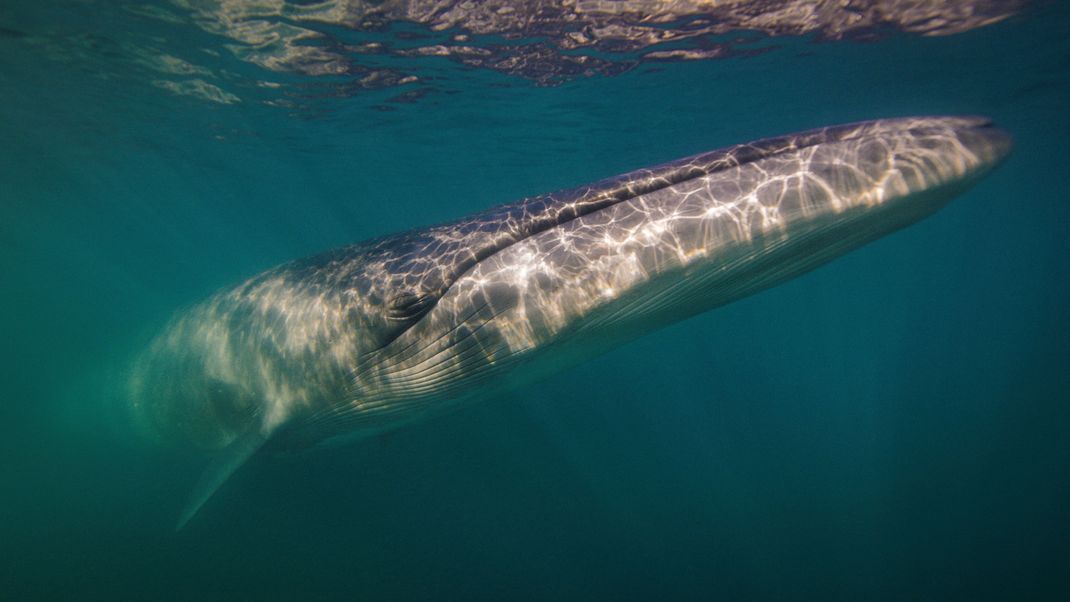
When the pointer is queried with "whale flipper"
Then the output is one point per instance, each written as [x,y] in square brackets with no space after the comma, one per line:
[220,469]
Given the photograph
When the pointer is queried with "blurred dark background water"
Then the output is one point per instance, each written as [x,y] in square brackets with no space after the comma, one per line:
[892,426]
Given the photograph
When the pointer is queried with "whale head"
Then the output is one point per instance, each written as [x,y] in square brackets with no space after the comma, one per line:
[681,239]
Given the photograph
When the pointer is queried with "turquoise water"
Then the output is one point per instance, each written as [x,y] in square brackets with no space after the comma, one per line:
[891,426]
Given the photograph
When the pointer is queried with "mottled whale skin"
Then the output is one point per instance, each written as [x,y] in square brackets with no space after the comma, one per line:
[368,337]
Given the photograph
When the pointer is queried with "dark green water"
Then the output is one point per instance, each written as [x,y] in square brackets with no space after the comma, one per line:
[895,425]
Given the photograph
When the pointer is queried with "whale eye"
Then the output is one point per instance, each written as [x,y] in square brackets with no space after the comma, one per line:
[409,305]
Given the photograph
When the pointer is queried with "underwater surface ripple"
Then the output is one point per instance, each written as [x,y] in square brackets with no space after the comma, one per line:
[893,425]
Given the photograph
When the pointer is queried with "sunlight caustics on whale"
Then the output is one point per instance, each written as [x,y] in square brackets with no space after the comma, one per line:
[368,337]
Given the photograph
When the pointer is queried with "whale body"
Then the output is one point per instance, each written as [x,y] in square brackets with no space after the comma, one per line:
[368,337]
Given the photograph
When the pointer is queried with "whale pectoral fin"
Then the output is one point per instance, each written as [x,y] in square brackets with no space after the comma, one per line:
[220,469]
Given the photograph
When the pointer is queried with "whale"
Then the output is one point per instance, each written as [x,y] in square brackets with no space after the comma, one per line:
[369,337]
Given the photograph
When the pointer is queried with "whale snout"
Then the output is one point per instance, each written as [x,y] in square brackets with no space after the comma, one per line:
[922,160]
[989,143]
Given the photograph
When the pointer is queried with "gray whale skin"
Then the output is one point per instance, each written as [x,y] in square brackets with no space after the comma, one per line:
[371,336]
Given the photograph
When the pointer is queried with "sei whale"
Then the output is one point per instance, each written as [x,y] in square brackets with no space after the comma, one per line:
[371,336]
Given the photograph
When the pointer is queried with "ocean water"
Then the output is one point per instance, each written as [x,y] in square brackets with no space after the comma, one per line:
[894,425]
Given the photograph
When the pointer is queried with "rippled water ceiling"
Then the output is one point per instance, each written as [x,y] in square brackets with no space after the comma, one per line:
[551,40]
[353,45]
